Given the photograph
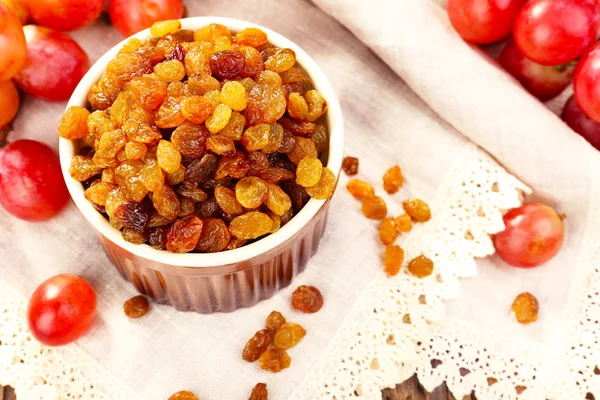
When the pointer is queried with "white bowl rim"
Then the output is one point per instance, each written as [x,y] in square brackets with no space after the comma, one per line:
[244,253]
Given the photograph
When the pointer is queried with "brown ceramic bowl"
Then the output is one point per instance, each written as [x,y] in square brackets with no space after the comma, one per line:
[231,279]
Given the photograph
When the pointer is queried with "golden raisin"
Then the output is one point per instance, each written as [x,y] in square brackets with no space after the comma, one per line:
[309,172]
[227,200]
[219,119]
[317,106]
[277,200]
[350,165]
[190,139]
[259,392]
[149,91]
[98,192]
[420,266]
[165,201]
[288,335]
[133,235]
[403,223]
[275,139]
[202,84]
[162,28]
[251,225]
[235,126]
[151,175]
[73,124]
[136,307]
[135,150]
[251,192]
[417,209]
[170,71]
[223,43]
[256,345]
[169,114]
[234,95]
[276,221]
[297,106]
[274,321]
[256,137]
[83,168]
[325,187]
[304,148]
[388,232]
[168,157]
[266,103]
[274,360]
[269,78]
[374,208]
[393,179]
[211,32]
[307,299]
[526,308]
[394,256]
[251,37]
[183,395]
[281,61]
[221,145]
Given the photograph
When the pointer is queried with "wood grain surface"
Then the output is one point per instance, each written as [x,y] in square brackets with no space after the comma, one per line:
[409,390]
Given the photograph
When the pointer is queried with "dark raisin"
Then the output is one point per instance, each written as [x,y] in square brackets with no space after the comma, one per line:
[301,128]
[208,208]
[158,237]
[132,215]
[178,53]
[226,64]
[258,162]
[297,194]
[288,142]
[201,170]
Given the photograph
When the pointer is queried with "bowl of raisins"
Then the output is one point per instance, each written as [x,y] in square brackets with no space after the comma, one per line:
[204,153]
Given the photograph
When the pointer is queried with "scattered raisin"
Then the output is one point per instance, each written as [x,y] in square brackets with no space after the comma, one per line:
[403,223]
[256,345]
[350,165]
[259,392]
[288,335]
[360,189]
[274,360]
[307,299]
[183,395]
[394,256]
[526,308]
[274,321]
[393,179]
[374,208]
[388,231]
[420,266]
[417,209]
[136,307]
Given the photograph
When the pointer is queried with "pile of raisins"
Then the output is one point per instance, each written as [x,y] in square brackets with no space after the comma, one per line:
[268,346]
[200,141]
[374,207]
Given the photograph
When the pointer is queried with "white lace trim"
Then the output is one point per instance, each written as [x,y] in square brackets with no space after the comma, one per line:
[390,332]
[39,372]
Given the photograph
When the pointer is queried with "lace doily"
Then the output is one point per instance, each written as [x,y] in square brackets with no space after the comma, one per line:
[398,327]
[40,372]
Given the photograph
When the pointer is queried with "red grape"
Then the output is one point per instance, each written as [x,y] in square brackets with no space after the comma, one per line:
[132,16]
[64,15]
[9,99]
[61,310]
[542,81]
[587,90]
[12,44]
[18,7]
[483,21]
[31,183]
[55,64]
[534,234]
[555,32]
[574,116]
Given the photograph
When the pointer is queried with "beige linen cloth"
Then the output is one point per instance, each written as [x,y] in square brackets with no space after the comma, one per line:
[412,93]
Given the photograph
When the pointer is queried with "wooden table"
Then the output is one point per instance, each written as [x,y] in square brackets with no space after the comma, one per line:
[409,390]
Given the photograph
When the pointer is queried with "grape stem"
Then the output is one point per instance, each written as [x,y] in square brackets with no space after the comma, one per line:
[563,67]
[4,134]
